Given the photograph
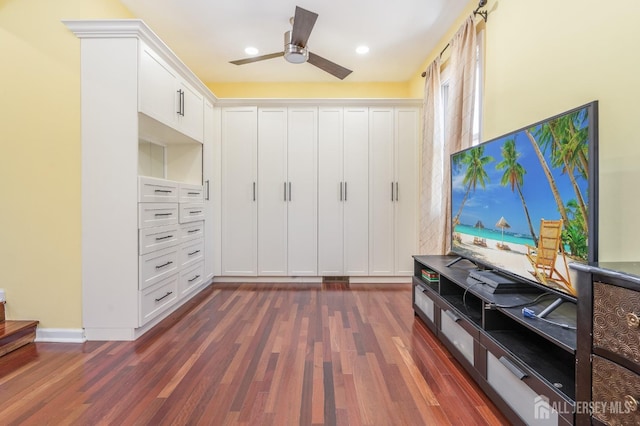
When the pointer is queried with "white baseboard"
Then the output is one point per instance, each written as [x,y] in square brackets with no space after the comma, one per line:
[352,279]
[60,335]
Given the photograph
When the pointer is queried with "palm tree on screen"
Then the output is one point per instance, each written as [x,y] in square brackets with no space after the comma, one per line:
[474,175]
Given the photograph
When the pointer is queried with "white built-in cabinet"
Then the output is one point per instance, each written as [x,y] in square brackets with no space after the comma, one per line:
[145,217]
[239,192]
[343,191]
[167,97]
[269,191]
[393,189]
[318,190]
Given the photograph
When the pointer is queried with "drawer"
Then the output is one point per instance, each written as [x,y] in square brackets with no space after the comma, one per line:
[424,303]
[191,278]
[451,327]
[191,193]
[153,190]
[157,298]
[157,265]
[157,214]
[191,212]
[506,379]
[616,392]
[615,320]
[191,231]
[157,238]
[191,252]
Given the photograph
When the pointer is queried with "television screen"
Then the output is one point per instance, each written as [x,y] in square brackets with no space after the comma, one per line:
[525,203]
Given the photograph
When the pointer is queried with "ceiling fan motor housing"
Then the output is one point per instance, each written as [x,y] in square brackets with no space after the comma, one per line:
[294,53]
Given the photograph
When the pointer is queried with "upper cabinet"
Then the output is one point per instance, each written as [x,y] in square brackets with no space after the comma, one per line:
[167,97]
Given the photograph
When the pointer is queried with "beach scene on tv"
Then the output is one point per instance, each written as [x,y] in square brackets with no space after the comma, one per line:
[519,202]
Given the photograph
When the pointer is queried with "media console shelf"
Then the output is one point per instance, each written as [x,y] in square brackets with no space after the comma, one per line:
[525,365]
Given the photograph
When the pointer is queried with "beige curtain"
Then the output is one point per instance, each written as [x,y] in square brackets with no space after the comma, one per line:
[435,215]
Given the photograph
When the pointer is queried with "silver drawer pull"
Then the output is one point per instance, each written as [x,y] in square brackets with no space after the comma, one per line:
[195,211]
[163,214]
[191,231]
[194,252]
[451,315]
[169,293]
[164,238]
[164,264]
[511,367]
[632,320]
[166,191]
[193,193]
[194,278]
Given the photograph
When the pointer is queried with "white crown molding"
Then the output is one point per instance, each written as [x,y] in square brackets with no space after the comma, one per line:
[135,28]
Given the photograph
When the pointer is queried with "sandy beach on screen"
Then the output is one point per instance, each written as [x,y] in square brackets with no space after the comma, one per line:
[514,259]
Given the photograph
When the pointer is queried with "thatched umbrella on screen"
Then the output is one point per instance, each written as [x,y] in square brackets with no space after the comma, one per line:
[502,224]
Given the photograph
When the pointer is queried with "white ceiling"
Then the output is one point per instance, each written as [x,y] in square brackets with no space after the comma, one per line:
[207,34]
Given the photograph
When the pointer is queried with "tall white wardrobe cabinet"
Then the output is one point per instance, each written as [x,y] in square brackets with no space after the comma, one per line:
[311,189]
[147,136]
[269,191]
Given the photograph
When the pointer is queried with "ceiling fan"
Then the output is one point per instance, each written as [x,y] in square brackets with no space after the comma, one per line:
[295,46]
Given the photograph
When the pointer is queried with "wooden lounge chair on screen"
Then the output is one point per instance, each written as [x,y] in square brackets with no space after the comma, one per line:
[543,257]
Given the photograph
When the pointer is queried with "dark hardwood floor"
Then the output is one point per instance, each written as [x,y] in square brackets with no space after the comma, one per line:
[254,354]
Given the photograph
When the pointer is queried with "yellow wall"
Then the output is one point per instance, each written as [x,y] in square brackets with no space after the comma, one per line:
[310,90]
[546,59]
[40,162]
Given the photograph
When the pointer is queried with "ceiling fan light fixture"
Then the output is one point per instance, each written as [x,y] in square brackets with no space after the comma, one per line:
[362,50]
[251,51]
[296,54]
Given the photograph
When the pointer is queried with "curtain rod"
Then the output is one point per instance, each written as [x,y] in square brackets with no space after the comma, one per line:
[482,13]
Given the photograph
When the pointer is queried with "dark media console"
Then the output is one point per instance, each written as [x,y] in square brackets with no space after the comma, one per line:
[525,362]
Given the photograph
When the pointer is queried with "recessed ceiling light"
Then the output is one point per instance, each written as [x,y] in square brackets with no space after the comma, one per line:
[361,50]
[251,51]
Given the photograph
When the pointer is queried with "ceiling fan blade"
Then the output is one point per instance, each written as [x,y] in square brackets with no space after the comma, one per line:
[303,22]
[256,58]
[328,66]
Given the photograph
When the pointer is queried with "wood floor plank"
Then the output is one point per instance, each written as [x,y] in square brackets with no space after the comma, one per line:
[255,354]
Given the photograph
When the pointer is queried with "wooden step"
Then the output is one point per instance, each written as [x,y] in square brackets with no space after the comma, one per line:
[15,334]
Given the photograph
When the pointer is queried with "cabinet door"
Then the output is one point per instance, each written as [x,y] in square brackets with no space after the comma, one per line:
[207,178]
[330,192]
[239,190]
[158,87]
[302,175]
[191,120]
[272,204]
[406,216]
[356,191]
[381,191]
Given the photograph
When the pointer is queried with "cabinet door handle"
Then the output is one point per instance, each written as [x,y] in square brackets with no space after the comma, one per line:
[182,103]
[254,191]
[194,278]
[345,191]
[162,190]
[195,212]
[392,192]
[451,315]
[511,367]
[162,214]
[169,293]
[285,192]
[179,112]
[164,264]
[193,193]
[164,238]
[340,191]
[191,231]
[289,191]
[397,191]
[194,252]
[207,196]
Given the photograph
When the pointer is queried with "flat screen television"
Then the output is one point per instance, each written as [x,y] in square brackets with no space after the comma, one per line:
[525,204]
